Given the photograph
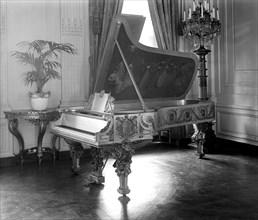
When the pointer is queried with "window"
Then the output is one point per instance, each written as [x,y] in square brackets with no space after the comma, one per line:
[141,7]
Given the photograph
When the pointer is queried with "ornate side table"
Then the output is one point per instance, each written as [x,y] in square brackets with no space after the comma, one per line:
[38,118]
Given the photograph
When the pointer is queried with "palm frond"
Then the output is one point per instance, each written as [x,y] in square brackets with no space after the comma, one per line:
[52,64]
[30,77]
[24,57]
[42,56]
[55,47]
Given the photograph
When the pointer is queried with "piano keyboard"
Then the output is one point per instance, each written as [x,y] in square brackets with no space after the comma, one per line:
[76,129]
[75,134]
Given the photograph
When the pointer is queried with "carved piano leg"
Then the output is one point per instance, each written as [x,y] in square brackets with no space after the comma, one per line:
[199,137]
[200,142]
[76,151]
[123,156]
[98,165]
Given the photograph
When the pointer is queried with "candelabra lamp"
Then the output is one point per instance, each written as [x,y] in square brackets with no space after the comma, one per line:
[201,26]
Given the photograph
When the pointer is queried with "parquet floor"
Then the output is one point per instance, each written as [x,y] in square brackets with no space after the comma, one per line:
[166,183]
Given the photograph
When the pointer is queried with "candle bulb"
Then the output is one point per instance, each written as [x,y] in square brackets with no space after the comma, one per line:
[205,5]
[190,13]
[208,7]
[213,12]
[217,13]
[194,6]
[184,16]
[201,11]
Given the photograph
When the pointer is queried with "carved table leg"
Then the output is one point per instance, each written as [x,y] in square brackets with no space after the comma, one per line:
[98,165]
[41,132]
[76,150]
[123,155]
[13,128]
[53,146]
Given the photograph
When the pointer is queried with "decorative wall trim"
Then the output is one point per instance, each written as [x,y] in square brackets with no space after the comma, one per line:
[73,74]
[238,108]
[241,77]
[237,82]
[6,140]
[238,124]
[3,59]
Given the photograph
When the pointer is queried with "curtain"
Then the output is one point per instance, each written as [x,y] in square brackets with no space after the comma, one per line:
[165,19]
[101,13]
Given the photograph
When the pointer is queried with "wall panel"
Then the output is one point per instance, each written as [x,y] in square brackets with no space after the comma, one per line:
[75,72]
[237,107]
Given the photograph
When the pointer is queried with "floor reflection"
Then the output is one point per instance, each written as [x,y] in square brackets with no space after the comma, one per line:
[145,183]
[124,201]
[165,184]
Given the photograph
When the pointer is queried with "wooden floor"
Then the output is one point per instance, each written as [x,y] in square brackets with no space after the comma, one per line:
[166,182]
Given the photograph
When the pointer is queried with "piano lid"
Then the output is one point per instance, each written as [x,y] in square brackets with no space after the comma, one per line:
[158,74]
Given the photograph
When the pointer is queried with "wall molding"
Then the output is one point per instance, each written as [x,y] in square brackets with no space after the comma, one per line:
[237,124]
[6,140]
[245,76]
[73,31]
[3,60]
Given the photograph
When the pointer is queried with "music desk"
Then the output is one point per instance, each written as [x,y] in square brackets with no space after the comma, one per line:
[38,118]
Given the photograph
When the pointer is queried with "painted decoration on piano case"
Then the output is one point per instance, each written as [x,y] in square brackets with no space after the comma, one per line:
[157,73]
[176,116]
[126,126]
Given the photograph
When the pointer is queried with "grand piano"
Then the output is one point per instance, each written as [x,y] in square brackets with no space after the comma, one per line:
[140,91]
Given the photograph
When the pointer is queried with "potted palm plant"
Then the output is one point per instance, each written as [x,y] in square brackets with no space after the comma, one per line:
[43,58]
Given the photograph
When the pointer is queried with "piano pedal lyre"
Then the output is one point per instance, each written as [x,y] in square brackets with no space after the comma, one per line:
[98,165]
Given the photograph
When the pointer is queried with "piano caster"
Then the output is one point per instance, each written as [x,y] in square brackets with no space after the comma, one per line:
[123,191]
[93,179]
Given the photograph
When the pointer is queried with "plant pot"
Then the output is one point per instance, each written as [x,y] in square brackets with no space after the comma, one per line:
[39,103]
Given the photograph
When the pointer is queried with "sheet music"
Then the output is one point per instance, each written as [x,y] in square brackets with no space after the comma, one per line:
[99,102]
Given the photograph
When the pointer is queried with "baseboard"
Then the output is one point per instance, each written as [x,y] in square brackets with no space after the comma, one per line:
[225,146]
[230,146]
